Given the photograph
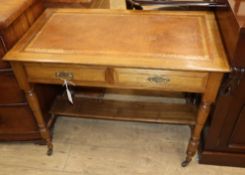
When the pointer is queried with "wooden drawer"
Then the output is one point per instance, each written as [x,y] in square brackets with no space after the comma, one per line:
[9,90]
[161,79]
[118,77]
[55,74]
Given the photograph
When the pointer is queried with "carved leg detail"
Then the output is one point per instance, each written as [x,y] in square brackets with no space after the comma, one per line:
[32,99]
[191,151]
[34,104]
[194,141]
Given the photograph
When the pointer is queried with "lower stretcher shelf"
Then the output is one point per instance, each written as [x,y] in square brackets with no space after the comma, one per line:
[125,110]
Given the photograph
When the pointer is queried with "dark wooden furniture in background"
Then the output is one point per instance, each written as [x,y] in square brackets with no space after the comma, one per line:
[16,119]
[224,141]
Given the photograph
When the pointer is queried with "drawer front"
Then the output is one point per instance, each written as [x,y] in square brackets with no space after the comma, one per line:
[56,74]
[9,89]
[118,77]
[16,120]
[161,80]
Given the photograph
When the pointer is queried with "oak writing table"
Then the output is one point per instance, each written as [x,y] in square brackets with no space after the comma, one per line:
[168,51]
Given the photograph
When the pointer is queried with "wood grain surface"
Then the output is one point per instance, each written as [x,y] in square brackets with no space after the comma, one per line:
[189,41]
[10,10]
[172,51]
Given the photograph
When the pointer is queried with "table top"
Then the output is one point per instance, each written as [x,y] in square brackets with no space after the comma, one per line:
[173,40]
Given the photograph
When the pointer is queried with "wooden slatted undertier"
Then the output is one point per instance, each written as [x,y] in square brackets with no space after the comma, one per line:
[125,110]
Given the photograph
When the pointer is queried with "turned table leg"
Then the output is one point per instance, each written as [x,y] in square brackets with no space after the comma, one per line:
[208,98]
[33,102]
[195,138]
[35,106]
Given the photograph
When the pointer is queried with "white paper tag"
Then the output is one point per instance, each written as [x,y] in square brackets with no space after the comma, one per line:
[68,92]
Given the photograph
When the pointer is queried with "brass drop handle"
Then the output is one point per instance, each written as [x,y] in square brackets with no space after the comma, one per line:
[64,75]
[159,79]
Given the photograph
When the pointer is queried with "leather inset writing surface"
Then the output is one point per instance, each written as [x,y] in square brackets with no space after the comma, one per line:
[161,40]
[170,36]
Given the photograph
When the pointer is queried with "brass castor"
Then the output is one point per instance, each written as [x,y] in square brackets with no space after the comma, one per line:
[185,163]
[50,152]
